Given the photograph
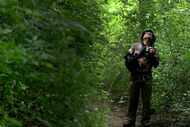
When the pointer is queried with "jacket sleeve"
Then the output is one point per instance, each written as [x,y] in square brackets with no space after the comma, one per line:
[155,60]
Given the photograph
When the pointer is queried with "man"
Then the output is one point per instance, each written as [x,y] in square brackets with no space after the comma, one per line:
[140,59]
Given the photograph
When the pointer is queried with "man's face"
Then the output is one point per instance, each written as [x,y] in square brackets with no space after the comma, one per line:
[147,38]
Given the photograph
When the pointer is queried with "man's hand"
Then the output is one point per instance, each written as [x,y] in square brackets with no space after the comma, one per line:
[142,61]
[152,51]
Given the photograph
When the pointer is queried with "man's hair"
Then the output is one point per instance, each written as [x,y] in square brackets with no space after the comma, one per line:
[153,36]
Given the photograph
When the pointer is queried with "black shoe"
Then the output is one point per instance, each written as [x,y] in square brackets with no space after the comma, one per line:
[143,125]
[129,125]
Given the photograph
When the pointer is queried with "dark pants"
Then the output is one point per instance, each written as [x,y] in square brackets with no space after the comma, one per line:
[145,88]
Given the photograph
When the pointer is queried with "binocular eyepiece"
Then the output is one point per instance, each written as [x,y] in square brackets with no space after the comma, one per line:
[147,49]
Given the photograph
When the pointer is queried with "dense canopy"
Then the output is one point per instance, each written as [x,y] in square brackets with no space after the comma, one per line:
[61,61]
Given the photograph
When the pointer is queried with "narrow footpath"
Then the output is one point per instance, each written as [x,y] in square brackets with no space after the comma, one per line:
[169,119]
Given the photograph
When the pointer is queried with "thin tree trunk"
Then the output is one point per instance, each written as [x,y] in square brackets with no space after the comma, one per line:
[146,14]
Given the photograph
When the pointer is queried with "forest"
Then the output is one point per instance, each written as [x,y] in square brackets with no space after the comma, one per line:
[62,61]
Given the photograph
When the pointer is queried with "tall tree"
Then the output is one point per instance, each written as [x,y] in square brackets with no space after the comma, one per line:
[146,14]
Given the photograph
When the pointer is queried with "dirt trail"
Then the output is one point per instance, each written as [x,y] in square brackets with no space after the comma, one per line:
[118,115]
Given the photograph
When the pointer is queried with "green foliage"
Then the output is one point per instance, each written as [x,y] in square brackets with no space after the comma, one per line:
[60,59]
[10,122]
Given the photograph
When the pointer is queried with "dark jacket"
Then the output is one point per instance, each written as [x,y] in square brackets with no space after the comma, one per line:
[133,65]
